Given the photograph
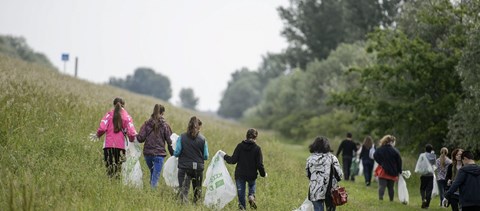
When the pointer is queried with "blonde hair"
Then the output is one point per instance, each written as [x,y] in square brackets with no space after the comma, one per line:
[443,157]
[387,139]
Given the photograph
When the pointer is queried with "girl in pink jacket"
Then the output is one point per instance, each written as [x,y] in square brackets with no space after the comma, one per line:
[117,125]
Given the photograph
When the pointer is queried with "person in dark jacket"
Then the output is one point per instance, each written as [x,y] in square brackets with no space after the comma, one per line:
[349,148]
[367,161]
[426,179]
[468,181]
[249,160]
[156,133]
[389,165]
[192,151]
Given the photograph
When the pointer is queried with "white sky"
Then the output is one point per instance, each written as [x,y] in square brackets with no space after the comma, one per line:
[195,43]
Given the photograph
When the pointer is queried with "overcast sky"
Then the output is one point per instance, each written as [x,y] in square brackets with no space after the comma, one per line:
[195,43]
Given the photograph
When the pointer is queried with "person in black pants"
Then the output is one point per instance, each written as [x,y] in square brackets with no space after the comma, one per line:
[191,150]
[348,147]
[367,159]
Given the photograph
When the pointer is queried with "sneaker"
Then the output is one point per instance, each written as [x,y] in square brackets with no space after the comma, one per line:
[251,201]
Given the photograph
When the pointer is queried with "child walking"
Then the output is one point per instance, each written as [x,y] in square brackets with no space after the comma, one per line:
[249,160]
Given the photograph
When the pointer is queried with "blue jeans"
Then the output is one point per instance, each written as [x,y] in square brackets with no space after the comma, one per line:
[318,205]
[155,164]
[241,188]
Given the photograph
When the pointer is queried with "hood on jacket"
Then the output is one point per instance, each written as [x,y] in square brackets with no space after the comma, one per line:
[471,169]
[248,145]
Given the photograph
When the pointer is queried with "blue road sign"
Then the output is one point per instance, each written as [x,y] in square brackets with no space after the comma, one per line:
[64,57]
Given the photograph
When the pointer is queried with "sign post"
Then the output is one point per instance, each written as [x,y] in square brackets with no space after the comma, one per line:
[65,60]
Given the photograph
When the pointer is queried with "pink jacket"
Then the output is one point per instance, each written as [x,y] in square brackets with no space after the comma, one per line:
[112,139]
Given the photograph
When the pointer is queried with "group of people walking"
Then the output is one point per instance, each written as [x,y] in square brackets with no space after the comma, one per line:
[458,178]
[191,148]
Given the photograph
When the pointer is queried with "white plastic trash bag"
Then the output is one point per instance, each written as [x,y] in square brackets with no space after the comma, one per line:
[170,172]
[435,190]
[360,168]
[423,165]
[220,187]
[402,190]
[131,170]
[306,206]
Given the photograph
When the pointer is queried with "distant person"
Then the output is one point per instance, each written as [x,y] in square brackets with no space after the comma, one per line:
[442,164]
[155,132]
[349,148]
[389,166]
[249,159]
[192,151]
[426,178]
[468,182]
[323,172]
[452,171]
[116,124]
[367,160]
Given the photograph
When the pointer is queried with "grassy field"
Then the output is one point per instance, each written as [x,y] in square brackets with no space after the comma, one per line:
[48,162]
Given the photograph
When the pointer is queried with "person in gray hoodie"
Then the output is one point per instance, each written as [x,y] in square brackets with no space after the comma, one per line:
[468,180]
[426,180]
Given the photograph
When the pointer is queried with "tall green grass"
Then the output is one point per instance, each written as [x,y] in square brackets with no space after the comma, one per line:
[48,163]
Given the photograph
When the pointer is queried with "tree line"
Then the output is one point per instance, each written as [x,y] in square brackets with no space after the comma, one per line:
[408,68]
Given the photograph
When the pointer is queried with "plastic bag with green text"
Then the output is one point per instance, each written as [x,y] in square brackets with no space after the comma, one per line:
[220,187]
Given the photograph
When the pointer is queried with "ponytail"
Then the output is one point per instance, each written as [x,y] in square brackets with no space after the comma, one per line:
[117,118]
[443,157]
[194,127]
[156,116]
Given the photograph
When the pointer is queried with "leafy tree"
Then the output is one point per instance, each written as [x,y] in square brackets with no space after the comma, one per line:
[313,28]
[412,89]
[146,81]
[243,91]
[18,47]
[464,127]
[188,99]
[292,103]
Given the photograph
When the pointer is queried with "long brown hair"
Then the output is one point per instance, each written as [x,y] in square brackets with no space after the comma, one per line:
[119,103]
[368,142]
[454,162]
[194,127]
[157,113]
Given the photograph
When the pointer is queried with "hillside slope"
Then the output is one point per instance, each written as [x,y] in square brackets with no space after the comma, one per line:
[48,163]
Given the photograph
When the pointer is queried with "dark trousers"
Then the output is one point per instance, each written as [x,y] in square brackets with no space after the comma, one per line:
[367,170]
[329,206]
[347,163]
[113,158]
[426,187]
[385,183]
[185,176]
[454,200]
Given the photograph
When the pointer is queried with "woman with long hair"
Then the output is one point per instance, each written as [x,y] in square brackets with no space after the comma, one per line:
[367,161]
[117,125]
[191,150]
[155,132]
[442,164]
[452,171]
[389,166]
